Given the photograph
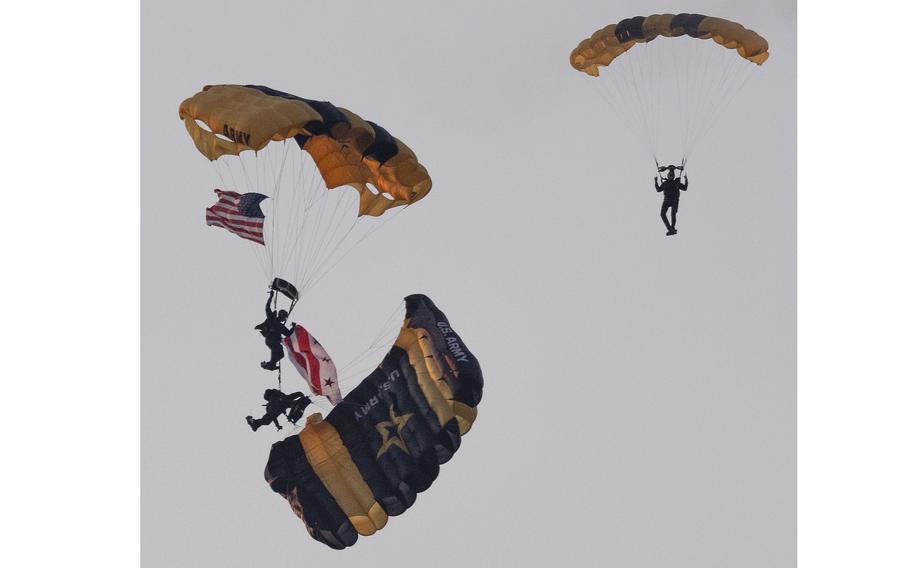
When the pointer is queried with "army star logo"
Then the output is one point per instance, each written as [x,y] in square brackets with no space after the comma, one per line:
[390,431]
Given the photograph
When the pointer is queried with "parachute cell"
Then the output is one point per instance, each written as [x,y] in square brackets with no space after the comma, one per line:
[383,444]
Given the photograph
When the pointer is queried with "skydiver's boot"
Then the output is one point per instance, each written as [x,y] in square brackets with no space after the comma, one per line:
[269,366]
[252,423]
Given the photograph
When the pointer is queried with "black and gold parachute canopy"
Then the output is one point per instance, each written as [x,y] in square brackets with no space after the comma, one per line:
[383,444]
[348,150]
[608,43]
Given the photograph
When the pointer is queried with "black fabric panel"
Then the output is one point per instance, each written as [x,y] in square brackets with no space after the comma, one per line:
[329,112]
[301,139]
[383,147]
[354,419]
[289,473]
[629,29]
[396,475]
[689,22]
[420,433]
[467,386]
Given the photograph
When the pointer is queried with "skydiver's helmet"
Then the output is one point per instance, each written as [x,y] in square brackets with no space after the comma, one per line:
[282,316]
[272,394]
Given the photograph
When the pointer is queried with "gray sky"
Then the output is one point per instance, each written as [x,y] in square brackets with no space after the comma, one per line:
[639,408]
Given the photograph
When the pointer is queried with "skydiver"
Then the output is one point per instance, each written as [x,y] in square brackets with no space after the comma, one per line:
[273,329]
[670,187]
[291,406]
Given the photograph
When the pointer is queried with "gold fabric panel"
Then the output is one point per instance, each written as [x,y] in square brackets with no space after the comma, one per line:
[334,466]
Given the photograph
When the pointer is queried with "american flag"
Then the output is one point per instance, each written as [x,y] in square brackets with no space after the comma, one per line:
[239,214]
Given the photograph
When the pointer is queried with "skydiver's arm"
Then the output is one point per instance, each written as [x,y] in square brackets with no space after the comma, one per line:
[656,186]
[268,304]
[684,185]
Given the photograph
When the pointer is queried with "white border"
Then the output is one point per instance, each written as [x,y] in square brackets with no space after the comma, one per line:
[69,479]
[69,473]
[854,420]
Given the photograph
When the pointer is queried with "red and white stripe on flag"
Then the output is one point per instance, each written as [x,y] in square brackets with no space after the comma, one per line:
[239,214]
[313,363]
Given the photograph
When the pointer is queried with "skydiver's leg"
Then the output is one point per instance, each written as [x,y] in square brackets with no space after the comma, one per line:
[255,423]
[663,216]
[268,418]
[277,353]
[673,209]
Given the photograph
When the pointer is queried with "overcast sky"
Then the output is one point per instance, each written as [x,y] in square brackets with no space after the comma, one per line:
[639,408]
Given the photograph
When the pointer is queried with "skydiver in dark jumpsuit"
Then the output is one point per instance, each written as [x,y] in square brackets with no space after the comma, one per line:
[670,187]
[273,329]
[291,406]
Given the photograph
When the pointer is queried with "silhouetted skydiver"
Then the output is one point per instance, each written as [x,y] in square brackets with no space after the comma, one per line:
[273,329]
[291,406]
[670,187]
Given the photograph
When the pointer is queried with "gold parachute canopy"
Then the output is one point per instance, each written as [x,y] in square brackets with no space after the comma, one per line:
[608,43]
[348,150]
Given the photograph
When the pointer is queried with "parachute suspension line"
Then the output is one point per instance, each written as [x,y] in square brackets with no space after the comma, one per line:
[315,274]
[738,83]
[687,105]
[301,209]
[385,218]
[292,231]
[326,236]
[324,269]
[658,107]
[353,370]
[626,113]
[634,69]
[323,258]
[253,187]
[217,171]
[717,92]
[319,212]
[279,238]
[269,180]
[704,57]
[681,96]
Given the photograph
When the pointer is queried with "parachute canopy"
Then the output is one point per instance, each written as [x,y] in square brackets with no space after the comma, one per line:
[261,141]
[608,43]
[383,444]
[347,149]
[670,93]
